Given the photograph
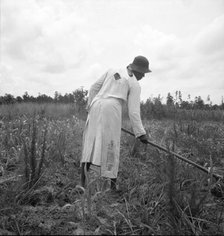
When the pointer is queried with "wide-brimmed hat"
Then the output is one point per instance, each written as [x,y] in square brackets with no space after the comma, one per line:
[140,64]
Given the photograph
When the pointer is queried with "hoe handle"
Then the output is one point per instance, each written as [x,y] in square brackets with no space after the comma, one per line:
[216,176]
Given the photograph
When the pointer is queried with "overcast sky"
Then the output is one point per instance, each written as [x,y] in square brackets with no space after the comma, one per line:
[61,45]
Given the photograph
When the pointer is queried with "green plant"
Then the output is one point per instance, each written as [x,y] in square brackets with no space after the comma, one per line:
[33,159]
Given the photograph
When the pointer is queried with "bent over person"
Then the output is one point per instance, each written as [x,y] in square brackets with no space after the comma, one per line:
[101,137]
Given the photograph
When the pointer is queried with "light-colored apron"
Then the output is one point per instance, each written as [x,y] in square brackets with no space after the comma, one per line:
[101,138]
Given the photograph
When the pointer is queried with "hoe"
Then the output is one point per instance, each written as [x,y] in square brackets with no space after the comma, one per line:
[217,190]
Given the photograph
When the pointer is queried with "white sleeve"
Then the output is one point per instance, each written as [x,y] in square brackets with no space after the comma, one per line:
[95,88]
[134,109]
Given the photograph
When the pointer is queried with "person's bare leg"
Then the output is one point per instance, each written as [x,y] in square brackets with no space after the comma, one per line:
[83,176]
[113,184]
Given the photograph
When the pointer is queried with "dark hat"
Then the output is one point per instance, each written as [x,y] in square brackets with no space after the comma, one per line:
[140,64]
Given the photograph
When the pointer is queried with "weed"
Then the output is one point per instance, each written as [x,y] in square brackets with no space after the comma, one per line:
[33,160]
[160,194]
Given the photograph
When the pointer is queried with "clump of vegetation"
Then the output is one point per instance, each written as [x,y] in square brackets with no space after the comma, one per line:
[39,176]
[34,156]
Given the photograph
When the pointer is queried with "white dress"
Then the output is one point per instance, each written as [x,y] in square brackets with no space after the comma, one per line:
[101,138]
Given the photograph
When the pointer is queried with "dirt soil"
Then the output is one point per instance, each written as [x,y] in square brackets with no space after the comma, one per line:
[56,207]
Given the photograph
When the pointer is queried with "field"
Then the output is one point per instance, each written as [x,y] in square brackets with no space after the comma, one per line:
[40,149]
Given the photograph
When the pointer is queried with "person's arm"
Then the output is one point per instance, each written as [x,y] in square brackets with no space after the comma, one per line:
[95,88]
[134,109]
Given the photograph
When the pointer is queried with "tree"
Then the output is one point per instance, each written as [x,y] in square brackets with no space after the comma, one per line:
[158,107]
[19,99]
[80,98]
[147,108]
[185,105]
[180,97]
[43,98]
[26,97]
[222,103]
[199,103]
[169,100]
[209,101]
[56,96]
[9,99]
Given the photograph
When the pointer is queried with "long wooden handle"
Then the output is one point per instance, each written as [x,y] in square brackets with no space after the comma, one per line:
[216,176]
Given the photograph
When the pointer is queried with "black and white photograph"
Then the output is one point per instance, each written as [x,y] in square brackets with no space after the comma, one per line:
[111,117]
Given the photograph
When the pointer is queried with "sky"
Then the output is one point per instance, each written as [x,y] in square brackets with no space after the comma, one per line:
[62,45]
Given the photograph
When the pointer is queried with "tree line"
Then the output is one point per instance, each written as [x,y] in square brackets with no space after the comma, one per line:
[153,107]
[176,107]
[79,96]
[177,102]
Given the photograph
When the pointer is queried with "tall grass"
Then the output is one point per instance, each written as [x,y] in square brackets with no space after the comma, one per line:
[34,155]
[166,112]
[47,110]
[160,195]
[186,192]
